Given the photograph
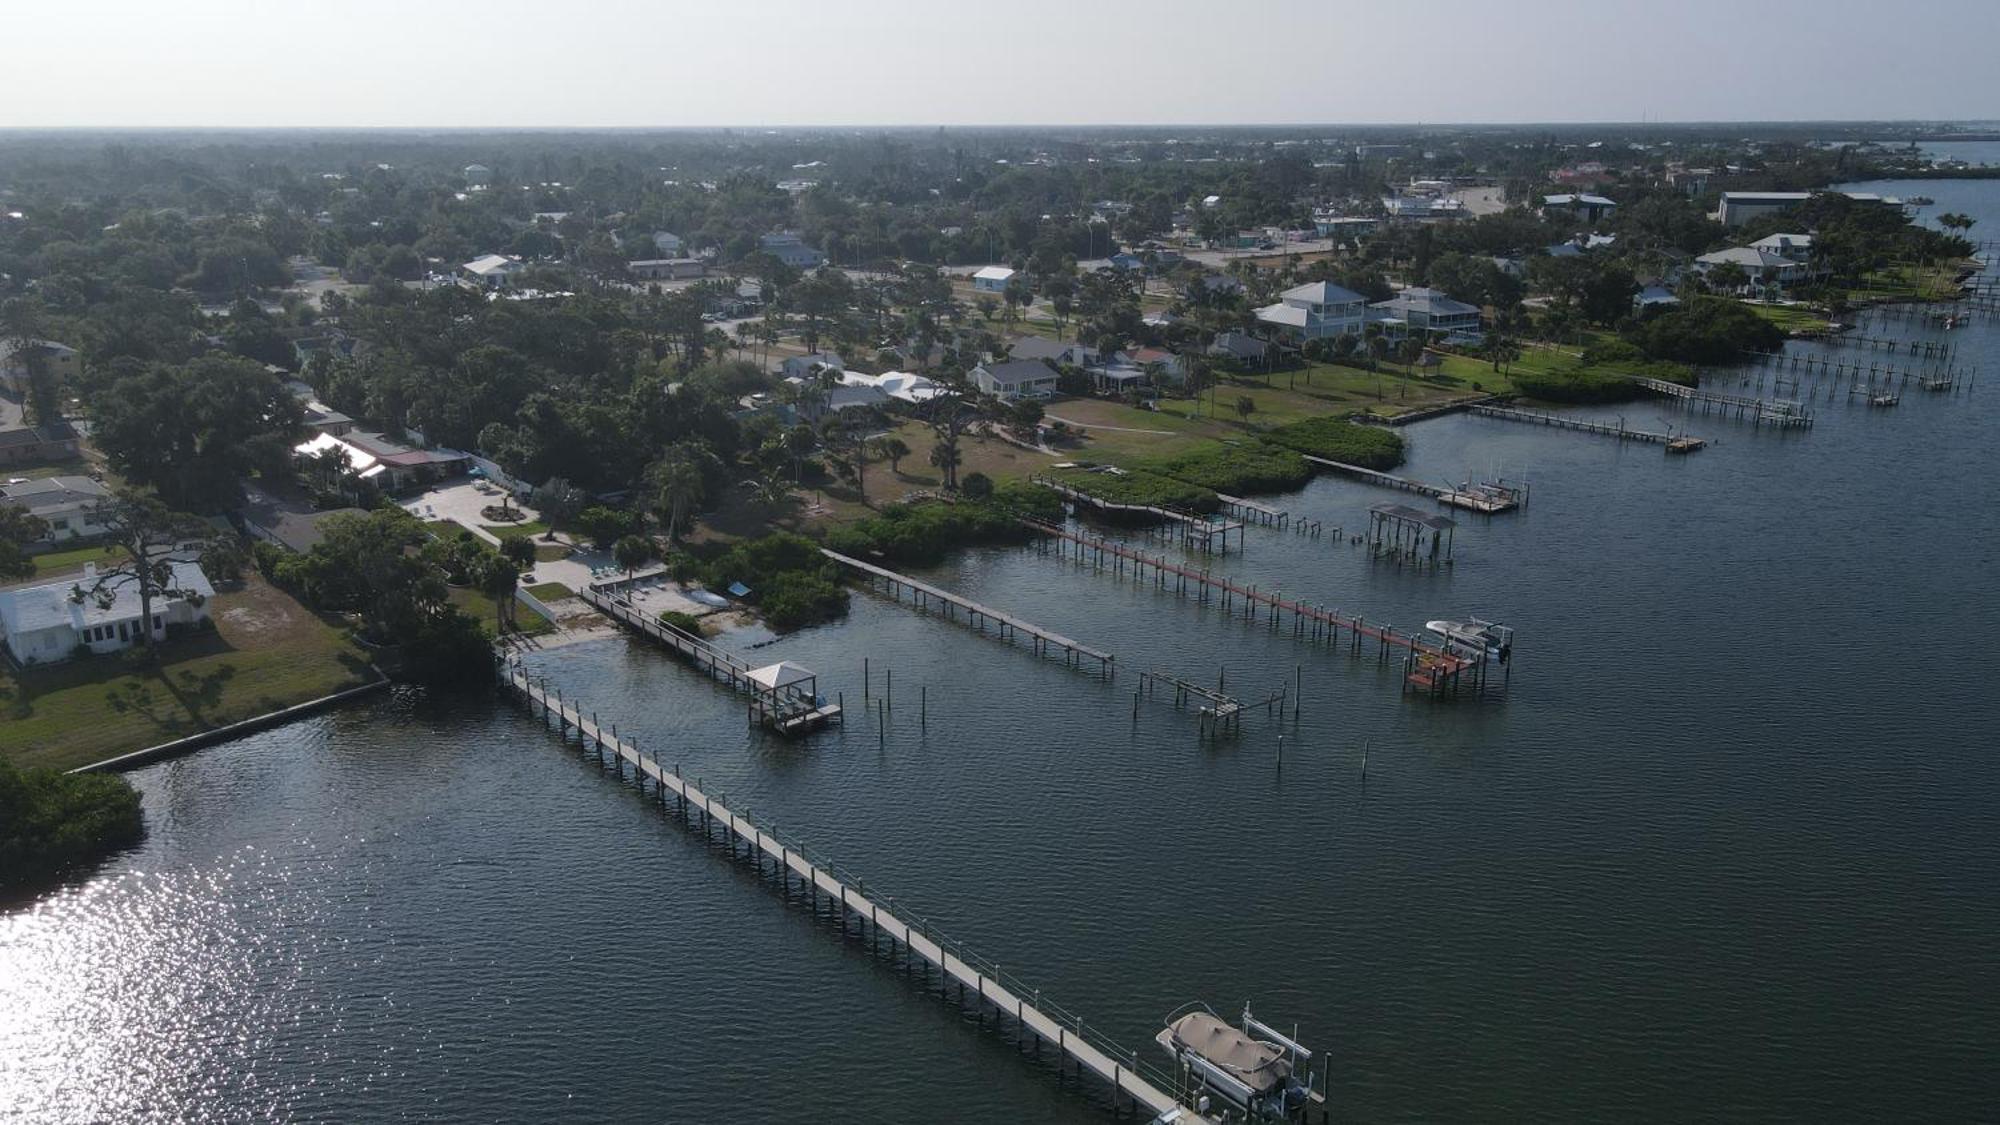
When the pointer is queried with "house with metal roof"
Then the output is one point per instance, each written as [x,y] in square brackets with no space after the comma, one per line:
[493,270]
[1316,310]
[1761,268]
[27,445]
[48,623]
[1589,208]
[1015,378]
[1431,312]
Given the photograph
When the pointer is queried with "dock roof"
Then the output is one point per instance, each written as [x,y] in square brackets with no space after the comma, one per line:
[1412,515]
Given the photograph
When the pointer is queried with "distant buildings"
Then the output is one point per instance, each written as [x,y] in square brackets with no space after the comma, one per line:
[1739,207]
[1314,311]
[787,247]
[32,445]
[495,271]
[666,269]
[993,279]
[1589,208]
[668,244]
[45,624]
[66,503]
[478,175]
[17,359]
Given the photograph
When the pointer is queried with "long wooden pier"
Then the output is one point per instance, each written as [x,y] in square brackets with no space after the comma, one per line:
[789,708]
[1540,418]
[829,891]
[1442,668]
[1483,500]
[1854,374]
[1195,530]
[924,595]
[1761,412]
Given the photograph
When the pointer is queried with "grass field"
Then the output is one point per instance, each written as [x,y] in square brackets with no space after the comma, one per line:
[515,530]
[267,652]
[57,563]
[1791,318]
[481,608]
[550,591]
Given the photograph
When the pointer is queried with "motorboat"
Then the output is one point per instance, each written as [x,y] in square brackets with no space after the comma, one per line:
[1482,640]
[1253,1067]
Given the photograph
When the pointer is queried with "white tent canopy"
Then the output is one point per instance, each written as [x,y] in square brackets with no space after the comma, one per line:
[783,674]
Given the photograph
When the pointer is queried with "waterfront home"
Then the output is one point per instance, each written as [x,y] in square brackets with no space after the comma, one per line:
[1015,378]
[67,504]
[46,624]
[1315,310]
[993,279]
[1761,268]
[1431,312]
[19,357]
[1797,247]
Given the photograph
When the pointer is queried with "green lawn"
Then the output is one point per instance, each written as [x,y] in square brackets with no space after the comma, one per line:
[1791,318]
[73,468]
[267,652]
[70,561]
[550,591]
[550,552]
[514,530]
[478,606]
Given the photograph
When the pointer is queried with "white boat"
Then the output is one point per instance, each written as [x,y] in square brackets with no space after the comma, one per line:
[1476,638]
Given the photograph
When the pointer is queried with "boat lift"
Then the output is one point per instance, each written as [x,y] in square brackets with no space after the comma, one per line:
[1253,1070]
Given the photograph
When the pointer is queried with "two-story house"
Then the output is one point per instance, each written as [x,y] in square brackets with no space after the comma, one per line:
[1316,310]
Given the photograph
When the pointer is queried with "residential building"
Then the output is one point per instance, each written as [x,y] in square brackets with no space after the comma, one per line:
[18,358]
[1431,312]
[899,385]
[46,624]
[1015,378]
[389,463]
[666,269]
[293,525]
[1163,364]
[478,175]
[494,271]
[1316,310]
[30,445]
[789,249]
[993,279]
[1588,208]
[1797,247]
[316,414]
[816,402]
[1053,351]
[1240,347]
[668,244]
[1761,268]
[1343,228]
[800,366]
[66,503]
[1739,207]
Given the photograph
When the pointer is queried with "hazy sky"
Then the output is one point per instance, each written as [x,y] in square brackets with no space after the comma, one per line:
[852,62]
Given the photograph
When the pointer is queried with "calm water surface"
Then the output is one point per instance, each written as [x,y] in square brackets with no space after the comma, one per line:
[1727,847]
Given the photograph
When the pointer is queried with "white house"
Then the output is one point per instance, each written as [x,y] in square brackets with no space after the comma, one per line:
[1015,378]
[1316,310]
[902,386]
[43,624]
[800,366]
[993,279]
[1761,268]
[64,503]
[789,249]
[494,270]
[1429,311]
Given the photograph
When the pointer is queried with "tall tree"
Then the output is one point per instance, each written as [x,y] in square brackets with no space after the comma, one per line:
[21,329]
[17,530]
[151,540]
[194,430]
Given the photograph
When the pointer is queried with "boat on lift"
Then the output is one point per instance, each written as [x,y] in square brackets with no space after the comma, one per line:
[1254,1067]
[1475,637]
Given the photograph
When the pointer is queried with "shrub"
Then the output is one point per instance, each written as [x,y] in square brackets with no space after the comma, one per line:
[922,534]
[794,598]
[976,486]
[685,622]
[1336,439]
[1140,486]
[50,821]
[1248,466]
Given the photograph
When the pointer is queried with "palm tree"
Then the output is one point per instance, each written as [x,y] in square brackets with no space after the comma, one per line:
[892,449]
[678,479]
[945,455]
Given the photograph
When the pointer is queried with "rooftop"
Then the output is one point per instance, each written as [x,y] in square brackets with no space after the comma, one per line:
[48,606]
